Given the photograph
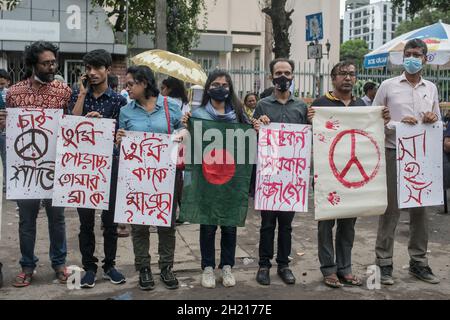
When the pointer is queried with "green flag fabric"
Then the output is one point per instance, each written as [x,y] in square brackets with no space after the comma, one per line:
[216,186]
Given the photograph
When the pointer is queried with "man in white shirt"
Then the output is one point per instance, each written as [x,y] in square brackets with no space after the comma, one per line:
[412,100]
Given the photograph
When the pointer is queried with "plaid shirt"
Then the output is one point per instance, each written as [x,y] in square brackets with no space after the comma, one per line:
[53,95]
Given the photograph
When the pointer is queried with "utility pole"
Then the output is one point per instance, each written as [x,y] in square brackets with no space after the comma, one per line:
[161,25]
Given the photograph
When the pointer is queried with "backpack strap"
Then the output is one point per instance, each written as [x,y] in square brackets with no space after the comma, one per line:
[166,108]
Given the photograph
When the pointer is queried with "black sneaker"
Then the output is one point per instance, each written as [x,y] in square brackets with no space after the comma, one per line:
[114,276]
[169,279]
[88,280]
[423,273]
[146,281]
[386,275]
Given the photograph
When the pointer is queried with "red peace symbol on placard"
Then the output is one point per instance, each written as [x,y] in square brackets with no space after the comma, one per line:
[341,175]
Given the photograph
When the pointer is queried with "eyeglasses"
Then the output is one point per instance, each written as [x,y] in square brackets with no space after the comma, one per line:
[47,64]
[217,85]
[344,74]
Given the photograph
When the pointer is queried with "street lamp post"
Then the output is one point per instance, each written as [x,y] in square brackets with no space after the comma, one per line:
[315,52]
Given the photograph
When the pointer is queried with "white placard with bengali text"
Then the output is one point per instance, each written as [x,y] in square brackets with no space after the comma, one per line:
[84,162]
[31,152]
[145,186]
[283,169]
[419,165]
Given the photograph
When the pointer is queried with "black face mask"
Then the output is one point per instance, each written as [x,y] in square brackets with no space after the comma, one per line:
[282,83]
[219,94]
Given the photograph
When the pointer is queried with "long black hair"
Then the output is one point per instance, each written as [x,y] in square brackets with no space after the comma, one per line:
[145,75]
[232,98]
[177,89]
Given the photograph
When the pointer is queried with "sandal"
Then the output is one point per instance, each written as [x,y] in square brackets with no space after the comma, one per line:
[23,280]
[332,281]
[351,280]
[62,275]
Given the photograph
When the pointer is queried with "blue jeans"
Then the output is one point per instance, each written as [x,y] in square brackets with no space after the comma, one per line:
[208,247]
[28,211]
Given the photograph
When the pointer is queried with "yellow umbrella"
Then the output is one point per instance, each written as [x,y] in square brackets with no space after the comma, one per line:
[173,65]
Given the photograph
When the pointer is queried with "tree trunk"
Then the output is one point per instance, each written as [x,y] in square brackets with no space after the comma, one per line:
[281,22]
[161,24]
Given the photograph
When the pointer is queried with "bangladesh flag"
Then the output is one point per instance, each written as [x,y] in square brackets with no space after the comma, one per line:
[217,175]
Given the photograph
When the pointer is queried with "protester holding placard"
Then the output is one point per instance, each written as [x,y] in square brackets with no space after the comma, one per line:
[39,91]
[337,267]
[150,112]
[96,99]
[411,100]
[220,104]
[280,107]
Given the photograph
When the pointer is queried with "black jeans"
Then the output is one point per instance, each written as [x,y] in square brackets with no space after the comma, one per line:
[208,246]
[87,236]
[267,236]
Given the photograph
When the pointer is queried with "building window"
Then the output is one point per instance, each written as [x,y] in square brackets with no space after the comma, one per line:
[400,19]
[257,59]
[384,36]
[400,10]
[385,8]
[366,30]
[357,32]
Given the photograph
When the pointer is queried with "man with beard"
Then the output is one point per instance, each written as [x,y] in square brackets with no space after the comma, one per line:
[39,91]
[96,99]
[280,107]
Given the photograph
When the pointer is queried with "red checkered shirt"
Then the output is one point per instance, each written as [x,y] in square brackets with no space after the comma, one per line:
[54,95]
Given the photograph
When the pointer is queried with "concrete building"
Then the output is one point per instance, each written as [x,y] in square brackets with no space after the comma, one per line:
[74,25]
[375,23]
[355,4]
[235,39]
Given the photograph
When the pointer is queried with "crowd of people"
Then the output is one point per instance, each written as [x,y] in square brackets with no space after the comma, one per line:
[143,106]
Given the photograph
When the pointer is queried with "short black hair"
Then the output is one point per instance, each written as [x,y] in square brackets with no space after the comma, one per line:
[113,81]
[339,66]
[274,62]
[416,43]
[98,58]
[4,74]
[267,93]
[32,52]
[145,75]
[177,89]
[369,86]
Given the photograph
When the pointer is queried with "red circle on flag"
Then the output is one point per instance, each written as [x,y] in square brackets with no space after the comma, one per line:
[218,167]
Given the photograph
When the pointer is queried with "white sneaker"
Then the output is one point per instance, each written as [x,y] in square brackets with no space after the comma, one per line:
[227,277]
[208,278]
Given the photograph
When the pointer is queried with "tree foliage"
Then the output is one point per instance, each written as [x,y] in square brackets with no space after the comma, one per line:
[354,50]
[424,18]
[182,16]
[415,6]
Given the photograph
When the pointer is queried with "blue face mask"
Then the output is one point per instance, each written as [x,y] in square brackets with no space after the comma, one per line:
[412,65]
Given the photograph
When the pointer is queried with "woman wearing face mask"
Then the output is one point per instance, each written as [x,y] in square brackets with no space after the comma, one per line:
[219,103]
